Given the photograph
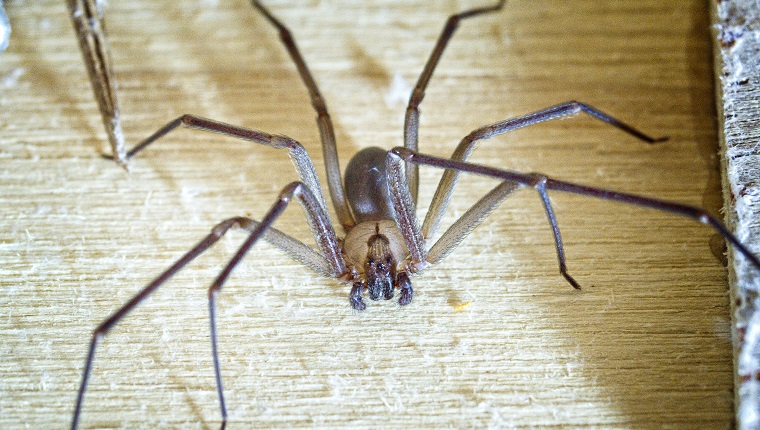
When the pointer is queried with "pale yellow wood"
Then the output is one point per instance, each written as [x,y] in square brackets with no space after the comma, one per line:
[495,337]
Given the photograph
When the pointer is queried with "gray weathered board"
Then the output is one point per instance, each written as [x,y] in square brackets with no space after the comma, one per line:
[737,67]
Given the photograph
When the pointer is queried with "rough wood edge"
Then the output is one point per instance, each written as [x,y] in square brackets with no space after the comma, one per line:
[737,52]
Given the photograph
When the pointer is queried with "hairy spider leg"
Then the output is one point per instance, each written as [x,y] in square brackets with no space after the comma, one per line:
[89,24]
[87,17]
[326,131]
[326,240]
[413,234]
[412,118]
[467,145]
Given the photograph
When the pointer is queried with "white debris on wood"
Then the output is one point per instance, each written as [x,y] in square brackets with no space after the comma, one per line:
[398,92]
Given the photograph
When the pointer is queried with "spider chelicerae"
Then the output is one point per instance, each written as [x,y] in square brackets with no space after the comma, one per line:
[375,201]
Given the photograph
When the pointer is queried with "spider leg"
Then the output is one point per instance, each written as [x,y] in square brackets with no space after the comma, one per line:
[303,164]
[87,17]
[326,240]
[415,240]
[412,119]
[463,226]
[298,250]
[326,131]
[540,186]
[403,204]
[465,148]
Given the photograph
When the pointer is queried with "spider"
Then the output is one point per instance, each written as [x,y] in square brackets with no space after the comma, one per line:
[375,200]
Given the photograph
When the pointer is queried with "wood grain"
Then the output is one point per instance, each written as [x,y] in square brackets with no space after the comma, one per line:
[495,337]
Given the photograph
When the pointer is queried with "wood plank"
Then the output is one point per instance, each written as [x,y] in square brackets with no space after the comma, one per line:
[495,337]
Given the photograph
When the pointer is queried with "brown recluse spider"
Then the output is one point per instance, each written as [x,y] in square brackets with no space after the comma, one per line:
[384,243]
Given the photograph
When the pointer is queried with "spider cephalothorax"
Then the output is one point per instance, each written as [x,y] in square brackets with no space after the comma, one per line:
[381,269]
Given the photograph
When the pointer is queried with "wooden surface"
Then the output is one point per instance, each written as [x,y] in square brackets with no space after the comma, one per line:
[736,27]
[495,337]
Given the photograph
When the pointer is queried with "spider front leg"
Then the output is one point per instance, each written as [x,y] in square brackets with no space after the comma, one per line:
[332,263]
[462,227]
[541,183]
[465,148]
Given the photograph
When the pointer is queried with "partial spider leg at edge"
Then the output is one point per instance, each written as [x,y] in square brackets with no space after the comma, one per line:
[87,17]
[416,242]
[324,235]
[464,149]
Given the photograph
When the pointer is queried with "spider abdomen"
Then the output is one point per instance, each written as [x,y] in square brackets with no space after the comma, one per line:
[366,184]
